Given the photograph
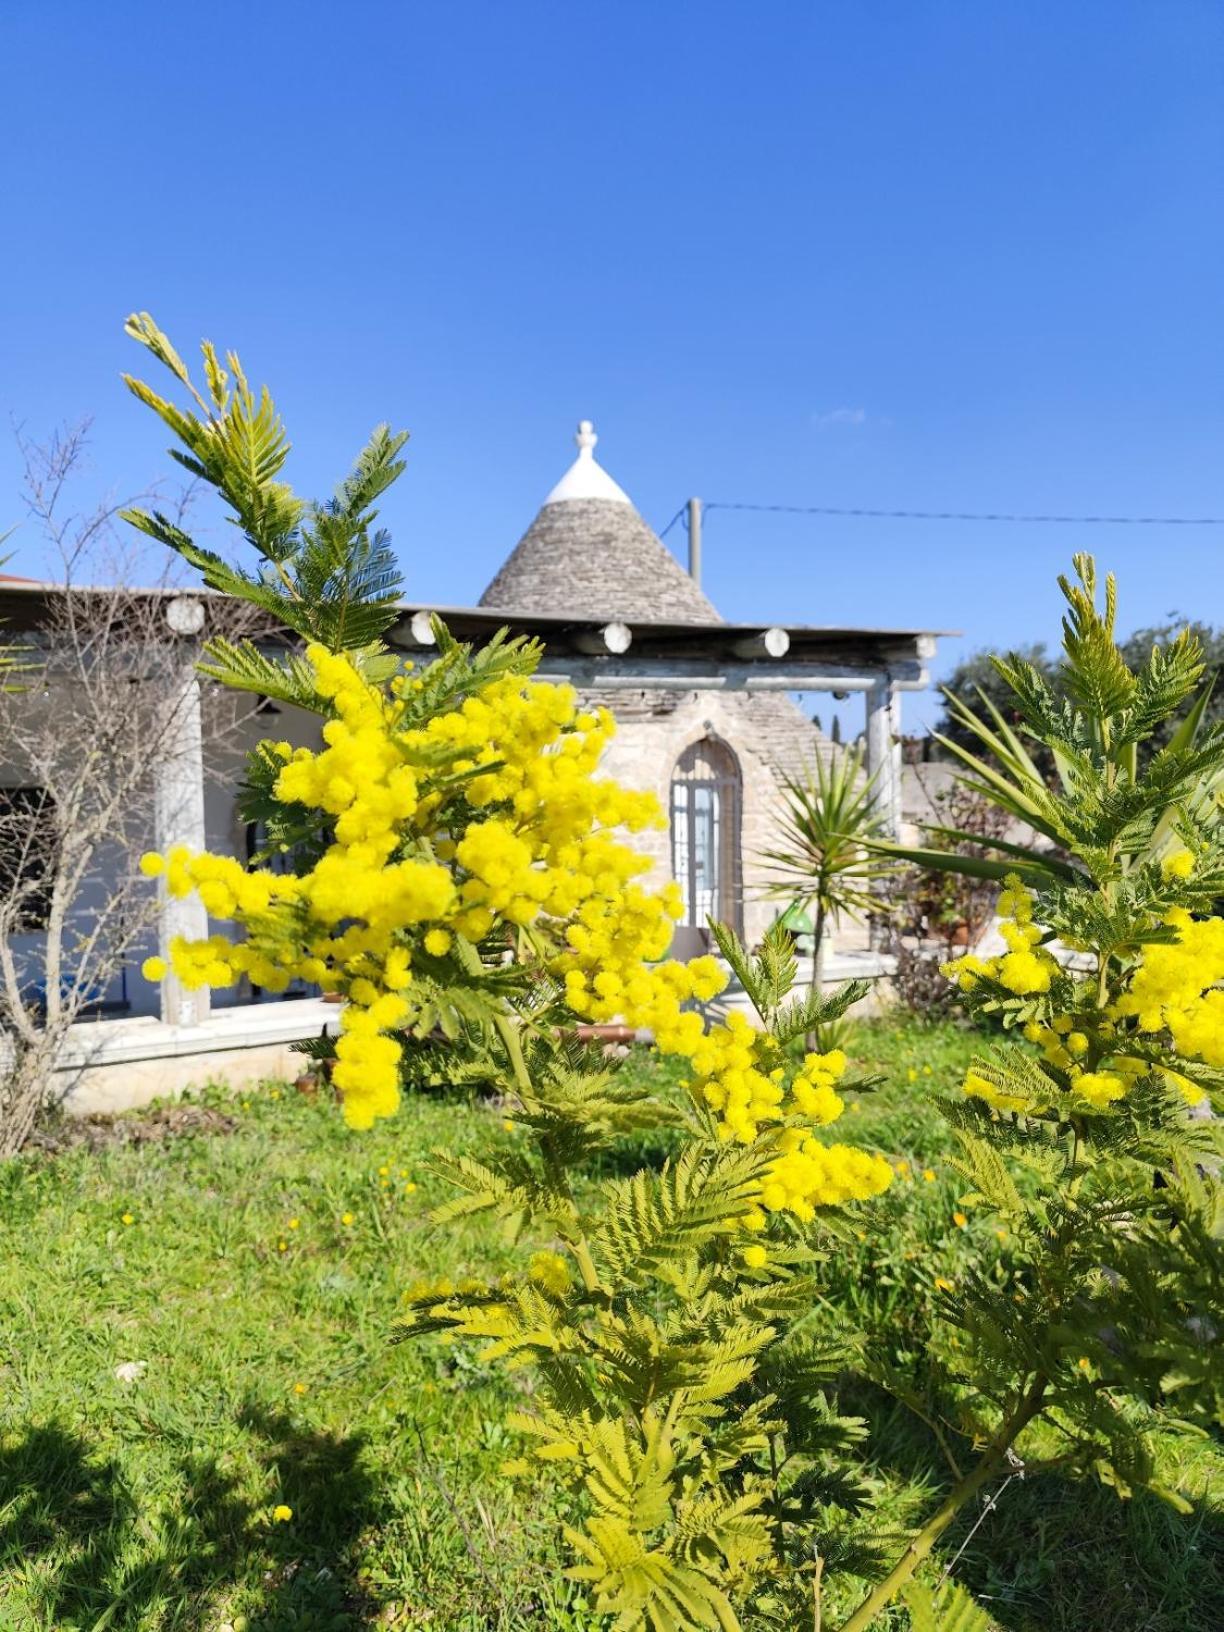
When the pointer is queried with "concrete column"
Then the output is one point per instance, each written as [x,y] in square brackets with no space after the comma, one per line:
[884,763]
[884,752]
[178,814]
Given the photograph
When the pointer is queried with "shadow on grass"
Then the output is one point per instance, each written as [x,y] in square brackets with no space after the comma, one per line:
[1060,1552]
[76,1550]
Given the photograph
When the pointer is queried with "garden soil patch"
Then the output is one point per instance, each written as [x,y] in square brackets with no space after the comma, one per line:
[108,1132]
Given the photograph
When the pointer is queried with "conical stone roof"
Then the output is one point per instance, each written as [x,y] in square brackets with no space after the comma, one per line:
[589,552]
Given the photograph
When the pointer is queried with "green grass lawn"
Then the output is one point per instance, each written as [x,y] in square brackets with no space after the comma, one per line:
[253,1290]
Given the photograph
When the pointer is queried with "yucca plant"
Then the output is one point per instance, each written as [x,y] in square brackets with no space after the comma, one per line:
[822,861]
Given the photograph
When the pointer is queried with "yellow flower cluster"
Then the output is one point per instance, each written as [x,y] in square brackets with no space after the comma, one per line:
[550,1272]
[809,1175]
[806,1174]
[490,817]
[397,875]
[729,1082]
[1174,988]
[813,1086]
[1024,968]
[614,939]
[1178,865]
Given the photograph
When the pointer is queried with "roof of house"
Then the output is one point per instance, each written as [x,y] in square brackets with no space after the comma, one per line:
[589,550]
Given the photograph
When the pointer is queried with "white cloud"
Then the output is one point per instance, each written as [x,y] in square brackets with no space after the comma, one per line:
[840,416]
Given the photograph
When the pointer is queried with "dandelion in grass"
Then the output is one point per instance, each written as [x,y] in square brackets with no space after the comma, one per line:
[928,1175]
[281,1513]
[128,1218]
[346,1219]
[960,1220]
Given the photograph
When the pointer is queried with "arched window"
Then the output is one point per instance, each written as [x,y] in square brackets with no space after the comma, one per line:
[705,838]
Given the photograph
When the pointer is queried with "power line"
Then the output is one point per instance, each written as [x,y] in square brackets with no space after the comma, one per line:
[675,519]
[962,515]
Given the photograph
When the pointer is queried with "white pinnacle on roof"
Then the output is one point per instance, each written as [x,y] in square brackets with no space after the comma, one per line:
[585,479]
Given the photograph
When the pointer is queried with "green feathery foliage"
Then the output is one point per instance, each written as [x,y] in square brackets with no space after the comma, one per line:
[325,571]
[947,1608]
[697,1434]
[1088,1129]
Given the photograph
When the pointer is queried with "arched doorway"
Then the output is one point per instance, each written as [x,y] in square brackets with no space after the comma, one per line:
[705,842]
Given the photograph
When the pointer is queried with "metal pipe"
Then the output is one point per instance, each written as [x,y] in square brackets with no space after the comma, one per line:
[694,535]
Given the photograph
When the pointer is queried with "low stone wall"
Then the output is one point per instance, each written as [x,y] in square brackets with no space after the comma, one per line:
[119,1065]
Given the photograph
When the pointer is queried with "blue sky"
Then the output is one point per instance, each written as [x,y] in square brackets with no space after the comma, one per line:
[896,255]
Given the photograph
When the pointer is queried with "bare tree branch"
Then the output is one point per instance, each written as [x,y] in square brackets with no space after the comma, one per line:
[80,745]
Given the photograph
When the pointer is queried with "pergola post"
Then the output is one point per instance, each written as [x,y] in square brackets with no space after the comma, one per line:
[884,764]
[178,814]
[883,753]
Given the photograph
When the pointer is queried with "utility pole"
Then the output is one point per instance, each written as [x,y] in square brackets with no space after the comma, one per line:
[694,535]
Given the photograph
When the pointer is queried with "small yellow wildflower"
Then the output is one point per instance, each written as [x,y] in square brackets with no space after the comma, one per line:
[281,1514]
[960,1220]
[926,1070]
[128,1218]
[410,1188]
[1084,1362]
[928,1174]
[383,1171]
[294,1223]
[346,1219]
[282,1246]
[1002,1234]
[299,1388]
[507,1124]
[155,969]
[911,1075]
[275,1094]
[942,1284]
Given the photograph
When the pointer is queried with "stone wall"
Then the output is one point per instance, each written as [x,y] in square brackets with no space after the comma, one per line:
[653,730]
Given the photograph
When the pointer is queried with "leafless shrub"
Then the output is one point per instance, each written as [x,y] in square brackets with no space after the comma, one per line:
[83,728]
